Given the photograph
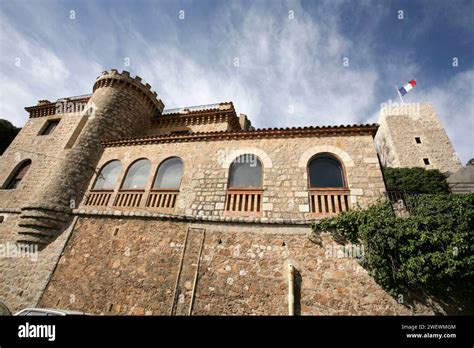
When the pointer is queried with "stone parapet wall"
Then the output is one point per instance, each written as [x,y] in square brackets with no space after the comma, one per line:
[23,276]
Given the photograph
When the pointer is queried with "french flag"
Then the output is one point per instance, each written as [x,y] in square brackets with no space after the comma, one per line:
[407,88]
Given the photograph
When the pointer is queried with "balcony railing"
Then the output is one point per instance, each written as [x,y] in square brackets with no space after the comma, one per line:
[165,199]
[98,198]
[128,198]
[244,202]
[327,202]
[187,109]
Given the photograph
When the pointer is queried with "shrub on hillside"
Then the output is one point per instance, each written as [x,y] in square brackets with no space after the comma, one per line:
[417,180]
[432,250]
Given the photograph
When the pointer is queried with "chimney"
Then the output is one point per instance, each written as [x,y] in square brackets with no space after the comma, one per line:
[244,122]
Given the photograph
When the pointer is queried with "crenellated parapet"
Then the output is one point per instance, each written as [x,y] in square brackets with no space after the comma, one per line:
[120,106]
[113,78]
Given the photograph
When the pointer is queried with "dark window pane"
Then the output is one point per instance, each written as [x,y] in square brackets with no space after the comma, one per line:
[325,171]
[181,132]
[50,127]
[246,171]
[169,174]
[137,175]
[108,176]
[19,175]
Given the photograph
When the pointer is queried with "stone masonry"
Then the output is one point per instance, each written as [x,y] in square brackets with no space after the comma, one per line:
[411,134]
[195,257]
[133,264]
[284,160]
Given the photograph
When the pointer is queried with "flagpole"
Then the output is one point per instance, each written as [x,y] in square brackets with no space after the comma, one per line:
[399,94]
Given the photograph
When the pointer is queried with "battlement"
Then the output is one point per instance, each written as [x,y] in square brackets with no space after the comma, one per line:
[114,78]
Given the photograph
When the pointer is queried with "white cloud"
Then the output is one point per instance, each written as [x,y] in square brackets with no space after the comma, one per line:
[31,72]
[285,65]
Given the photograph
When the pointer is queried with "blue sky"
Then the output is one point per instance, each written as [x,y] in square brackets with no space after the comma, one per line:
[290,70]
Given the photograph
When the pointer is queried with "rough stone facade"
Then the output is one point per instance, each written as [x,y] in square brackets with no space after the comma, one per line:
[101,256]
[412,135]
[133,267]
[284,160]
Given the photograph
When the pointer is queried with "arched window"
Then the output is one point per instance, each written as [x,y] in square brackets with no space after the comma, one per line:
[137,175]
[246,172]
[169,174]
[18,175]
[325,171]
[108,176]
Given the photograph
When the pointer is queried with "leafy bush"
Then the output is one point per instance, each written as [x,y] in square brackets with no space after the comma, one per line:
[432,250]
[417,180]
[8,132]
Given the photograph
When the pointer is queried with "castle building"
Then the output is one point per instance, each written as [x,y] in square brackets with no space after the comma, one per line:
[412,135]
[135,209]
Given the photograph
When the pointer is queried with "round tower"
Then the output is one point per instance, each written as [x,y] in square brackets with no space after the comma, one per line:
[120,106]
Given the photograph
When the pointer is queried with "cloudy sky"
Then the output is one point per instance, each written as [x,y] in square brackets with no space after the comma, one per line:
[280,62]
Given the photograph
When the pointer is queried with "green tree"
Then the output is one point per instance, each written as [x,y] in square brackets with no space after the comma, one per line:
[417,180]
[431,251]
[8,132]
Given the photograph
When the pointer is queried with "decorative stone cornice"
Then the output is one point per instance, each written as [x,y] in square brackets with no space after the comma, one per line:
[179,217]
[300,132]
[206,116]
[47,108]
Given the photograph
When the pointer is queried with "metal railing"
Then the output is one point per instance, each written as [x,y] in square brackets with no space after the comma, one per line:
[402,202]
[186,109]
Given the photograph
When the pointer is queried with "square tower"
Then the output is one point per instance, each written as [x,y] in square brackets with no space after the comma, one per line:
[412,135]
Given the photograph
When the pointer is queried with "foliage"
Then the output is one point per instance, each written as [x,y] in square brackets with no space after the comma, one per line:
[470,162]
[431,251]
[8,132]
[417,180]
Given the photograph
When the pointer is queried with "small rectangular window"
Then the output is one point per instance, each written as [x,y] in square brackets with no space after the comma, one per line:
[49,127]
[426,161]
[418,140]
[1,218]
[181,132]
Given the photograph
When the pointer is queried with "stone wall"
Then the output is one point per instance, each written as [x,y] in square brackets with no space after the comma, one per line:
[396,142]
[38,210]
[21,279]
[23,276]
[284,161]
[132,267]
[45,151]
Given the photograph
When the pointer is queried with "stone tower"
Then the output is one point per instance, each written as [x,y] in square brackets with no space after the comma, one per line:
[119,107]
[412,135]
